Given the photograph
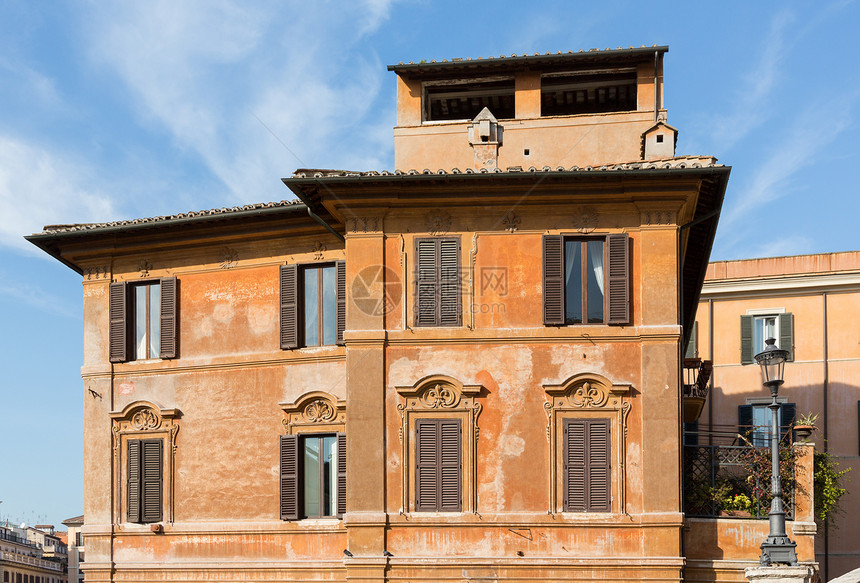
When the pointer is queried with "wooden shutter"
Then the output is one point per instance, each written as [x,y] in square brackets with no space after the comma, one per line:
[289,307]
[574,466]
[290,477]
[169,320]
[341,474]
[553,280]
[692,343]
[450,487]
[118,306]
[151,474]
[426,465]
[340,269]
[587,477]
[450,303]
[133,480]
[788,414]
[786,334]
[745,419]
[746,339]
[618,281]
[426,283]
[599,495]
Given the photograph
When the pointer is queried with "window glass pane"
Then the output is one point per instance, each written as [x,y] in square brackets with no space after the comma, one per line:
[594,273]
[311,471]
[572,282]
[329,306]
[140,339]
[311,299]
[329,494]
[764,327]
[154,320]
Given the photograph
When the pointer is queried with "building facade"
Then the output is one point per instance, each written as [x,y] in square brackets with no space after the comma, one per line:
[810,304]
[76,548]
[23,559]
[463,371]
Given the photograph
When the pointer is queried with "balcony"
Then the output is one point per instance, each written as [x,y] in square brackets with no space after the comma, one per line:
[697,373]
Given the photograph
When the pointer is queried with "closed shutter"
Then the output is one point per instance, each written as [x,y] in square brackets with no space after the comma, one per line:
[289,307]
[152,475]
[745,419]
[426,283]
[289,477]
[426,465]
[574,466]
[341,474]
[553,280]
[598,466]
[587,472]
[134,480]
[118,326]
[340,268]
[449,468]
[692,343]
[786,334]
[746,339]
[450,304]
[619,279]
[169,320]
[788,414]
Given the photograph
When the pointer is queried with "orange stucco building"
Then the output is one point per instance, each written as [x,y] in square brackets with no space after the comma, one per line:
[469,369]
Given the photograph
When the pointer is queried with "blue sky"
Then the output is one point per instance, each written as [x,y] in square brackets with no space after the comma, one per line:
[115,110]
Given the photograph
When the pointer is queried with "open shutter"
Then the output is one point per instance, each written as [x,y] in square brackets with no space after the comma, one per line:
[427,465]
[692,343]
[450,304]
[574,466]
[134,480]
[553,280]
[788,414]
[427,283]
[169,311]
[289,477]
[450,467]
[745,419]
[152,473]
[746,339]
[340,268]
[619,278]
[118,326]
[786,334]
[341,474]
[599,496]
[289,307]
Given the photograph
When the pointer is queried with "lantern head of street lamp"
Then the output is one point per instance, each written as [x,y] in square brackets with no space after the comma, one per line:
[772,362]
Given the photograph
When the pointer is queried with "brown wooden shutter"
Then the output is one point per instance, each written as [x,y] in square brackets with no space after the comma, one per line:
[151,479]
[450,471]
[786,334]
[289,477]
[553,280]
[746,339]
[134,480]
[599,493]
[341,474]
[340,268]
[450,303]
[118,306]
[574,498]
[619,278]
[426,465]
[169,320]
[289,286]
[426,283]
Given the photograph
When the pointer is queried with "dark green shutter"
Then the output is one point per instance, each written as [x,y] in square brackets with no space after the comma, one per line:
[618,281]
[134,480]
[788,414]
[340,270]
[341,474]
[786,334]
[692,343]
[169,320]
[289,315]
[118,307]
[152,473]
[289,477]
[746,339]
[553,280]
[745,417]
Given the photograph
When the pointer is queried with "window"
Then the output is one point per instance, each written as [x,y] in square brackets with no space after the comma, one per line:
[587,92]
[755,419]
[692,350]
[313,476]
[578,286]
[437,283]
[756,328]
[465,99]
[144,480]
[313,304]
[438,468]
[586,465]
[143,317]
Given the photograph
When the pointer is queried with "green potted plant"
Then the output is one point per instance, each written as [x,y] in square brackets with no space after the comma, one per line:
[805,425]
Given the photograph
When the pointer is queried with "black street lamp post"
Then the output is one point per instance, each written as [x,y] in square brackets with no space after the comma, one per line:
[777,548]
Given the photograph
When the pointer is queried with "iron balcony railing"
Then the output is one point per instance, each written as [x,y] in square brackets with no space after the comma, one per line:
[697,373]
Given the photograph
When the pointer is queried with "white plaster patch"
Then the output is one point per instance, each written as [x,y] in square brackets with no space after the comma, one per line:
[512,445]
[223,312]
[260,319]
